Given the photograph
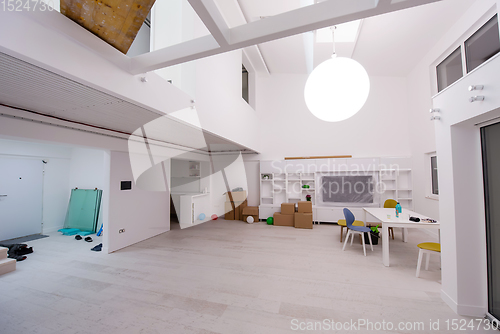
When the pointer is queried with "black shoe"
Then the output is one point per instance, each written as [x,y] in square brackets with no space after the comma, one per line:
[78,237]
[97,248]
[88,239]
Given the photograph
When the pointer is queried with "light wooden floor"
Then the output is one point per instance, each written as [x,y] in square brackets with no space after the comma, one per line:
[218,277]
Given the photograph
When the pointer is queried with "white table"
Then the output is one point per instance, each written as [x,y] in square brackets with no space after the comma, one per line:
[403,221]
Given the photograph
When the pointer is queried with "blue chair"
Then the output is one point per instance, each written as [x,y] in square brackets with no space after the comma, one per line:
[351,230]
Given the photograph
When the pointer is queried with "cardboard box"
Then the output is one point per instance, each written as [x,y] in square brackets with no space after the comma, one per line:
[305,207]
[238,211]
[250,211]
[236,196]
[229,215]
[235,214]
[287,208]
[303,220]
[255,218]
[282,220]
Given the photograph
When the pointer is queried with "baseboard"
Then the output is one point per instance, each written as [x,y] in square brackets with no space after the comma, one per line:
[449,301]
[465,310]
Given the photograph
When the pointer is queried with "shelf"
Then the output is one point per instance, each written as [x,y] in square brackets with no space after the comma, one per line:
[267,180]
[293,197]
[267,197]
[307,189]
[307,179]
[186,177]
[405,199]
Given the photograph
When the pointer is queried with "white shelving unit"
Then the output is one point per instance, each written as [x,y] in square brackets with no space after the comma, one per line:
[398,186]
[281,187]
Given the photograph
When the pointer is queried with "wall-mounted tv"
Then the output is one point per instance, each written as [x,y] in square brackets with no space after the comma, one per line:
[347,189]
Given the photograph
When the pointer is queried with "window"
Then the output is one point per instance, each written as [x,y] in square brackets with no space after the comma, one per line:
[141,43]
[431,176]
[449,70]
[244,83]
[483,44]
[434,176]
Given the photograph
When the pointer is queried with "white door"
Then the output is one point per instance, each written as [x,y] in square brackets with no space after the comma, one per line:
[21,182]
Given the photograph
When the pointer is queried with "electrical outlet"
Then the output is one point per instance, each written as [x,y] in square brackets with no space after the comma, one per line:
[121,230]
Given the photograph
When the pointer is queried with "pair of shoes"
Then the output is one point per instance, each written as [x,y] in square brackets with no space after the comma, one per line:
[97,248]
[88,239]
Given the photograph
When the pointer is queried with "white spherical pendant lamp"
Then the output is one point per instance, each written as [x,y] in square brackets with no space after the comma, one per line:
[337,89]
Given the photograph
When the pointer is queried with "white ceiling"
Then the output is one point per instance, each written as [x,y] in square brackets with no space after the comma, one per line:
[390,44]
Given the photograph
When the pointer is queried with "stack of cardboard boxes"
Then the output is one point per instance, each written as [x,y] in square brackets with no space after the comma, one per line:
[285,218]
[303,216]
[236,201]
[289,217]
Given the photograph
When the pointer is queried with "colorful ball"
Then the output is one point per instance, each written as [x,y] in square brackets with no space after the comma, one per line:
[250,219]
[270,221]
[201,216]
[214,217]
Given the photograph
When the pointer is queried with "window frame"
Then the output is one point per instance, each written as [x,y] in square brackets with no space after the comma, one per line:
[465,49]
[460,42]
[428,184]
[460,50]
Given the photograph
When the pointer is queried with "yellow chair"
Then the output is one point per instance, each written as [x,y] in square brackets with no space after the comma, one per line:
[343,224]
[426,248]
[390,203]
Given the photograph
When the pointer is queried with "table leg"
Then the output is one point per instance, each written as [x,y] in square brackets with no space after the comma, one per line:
[385,244]
[405,234]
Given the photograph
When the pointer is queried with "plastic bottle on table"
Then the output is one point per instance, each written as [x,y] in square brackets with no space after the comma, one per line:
[398,210]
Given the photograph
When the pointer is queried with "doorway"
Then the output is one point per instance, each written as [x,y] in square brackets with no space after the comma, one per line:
[21,193]
[490,140]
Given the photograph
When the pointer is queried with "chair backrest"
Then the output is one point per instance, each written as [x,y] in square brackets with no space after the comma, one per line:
[390,203]
[349,217]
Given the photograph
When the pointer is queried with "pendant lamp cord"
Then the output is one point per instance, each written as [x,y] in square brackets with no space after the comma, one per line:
[333,39]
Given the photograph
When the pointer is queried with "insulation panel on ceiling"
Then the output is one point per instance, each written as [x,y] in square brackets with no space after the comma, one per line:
[117,22]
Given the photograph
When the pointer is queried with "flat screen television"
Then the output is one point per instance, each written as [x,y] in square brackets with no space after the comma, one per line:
[347,189]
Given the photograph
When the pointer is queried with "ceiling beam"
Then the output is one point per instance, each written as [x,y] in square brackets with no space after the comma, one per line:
[323,14]
[212,18]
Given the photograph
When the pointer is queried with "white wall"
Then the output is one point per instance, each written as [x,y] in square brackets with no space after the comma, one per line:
[422,137]
[143,214]
[134,211]
[461,188]
[461,201]
[56,177]
[221,109]
[287,128]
